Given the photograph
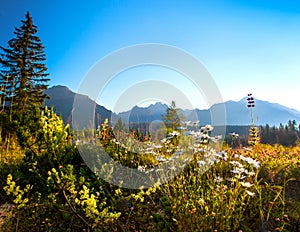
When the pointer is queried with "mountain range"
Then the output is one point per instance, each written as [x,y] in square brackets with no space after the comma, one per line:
[237,113]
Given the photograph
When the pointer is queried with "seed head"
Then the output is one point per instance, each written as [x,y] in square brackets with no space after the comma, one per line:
[250,100]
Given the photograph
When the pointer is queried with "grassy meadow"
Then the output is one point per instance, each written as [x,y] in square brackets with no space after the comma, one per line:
[46,185]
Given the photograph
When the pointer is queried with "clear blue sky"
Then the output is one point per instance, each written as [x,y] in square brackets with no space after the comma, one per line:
[247,46]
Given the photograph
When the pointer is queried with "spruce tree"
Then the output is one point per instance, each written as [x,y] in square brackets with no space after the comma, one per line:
[23,72]
[173,117]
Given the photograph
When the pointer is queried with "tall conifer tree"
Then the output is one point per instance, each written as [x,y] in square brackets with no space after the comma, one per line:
[173,117]
[23,72]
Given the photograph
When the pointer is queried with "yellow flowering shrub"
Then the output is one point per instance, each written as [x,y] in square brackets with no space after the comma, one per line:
[55,131]
[46,133]
[12,189]
[84,202]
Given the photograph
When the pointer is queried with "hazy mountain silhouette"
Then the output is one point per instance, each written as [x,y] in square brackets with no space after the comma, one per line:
[62,99]
[237,112]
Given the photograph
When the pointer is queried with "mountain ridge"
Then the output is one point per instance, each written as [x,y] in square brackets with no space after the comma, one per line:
[237,112]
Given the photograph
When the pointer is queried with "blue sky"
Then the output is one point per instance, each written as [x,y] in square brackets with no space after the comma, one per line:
[247,46]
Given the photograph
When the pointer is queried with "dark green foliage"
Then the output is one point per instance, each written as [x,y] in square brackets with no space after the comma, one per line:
[284,135]
[12,123]
[23,76]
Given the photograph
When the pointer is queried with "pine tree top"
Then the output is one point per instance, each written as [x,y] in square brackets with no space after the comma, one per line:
[23,72]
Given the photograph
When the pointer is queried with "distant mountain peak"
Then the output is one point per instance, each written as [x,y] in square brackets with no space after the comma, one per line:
[157,105]
[62,99]
[244,99]
[59,87]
